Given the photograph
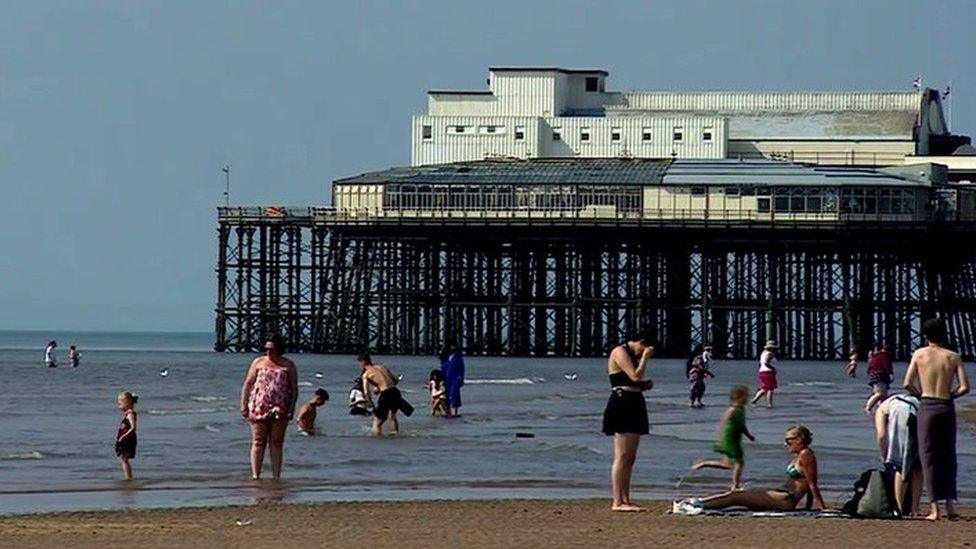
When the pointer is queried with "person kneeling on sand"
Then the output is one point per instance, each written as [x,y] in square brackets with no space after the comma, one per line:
[389,401]
[801,482]
[307,413]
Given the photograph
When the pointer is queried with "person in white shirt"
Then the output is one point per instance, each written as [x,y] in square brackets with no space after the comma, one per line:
[767,374]
[49,357]
[357,400]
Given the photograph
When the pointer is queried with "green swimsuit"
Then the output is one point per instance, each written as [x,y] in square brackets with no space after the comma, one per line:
[731,442]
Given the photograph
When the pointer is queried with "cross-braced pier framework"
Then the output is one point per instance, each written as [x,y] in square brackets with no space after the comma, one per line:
[575,292]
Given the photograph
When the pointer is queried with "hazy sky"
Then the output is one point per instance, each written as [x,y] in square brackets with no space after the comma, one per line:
[115,117]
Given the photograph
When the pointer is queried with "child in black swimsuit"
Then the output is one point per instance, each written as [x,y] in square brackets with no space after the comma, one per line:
[125,438]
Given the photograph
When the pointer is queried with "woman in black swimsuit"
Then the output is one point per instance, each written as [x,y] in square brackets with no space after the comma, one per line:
[625,417]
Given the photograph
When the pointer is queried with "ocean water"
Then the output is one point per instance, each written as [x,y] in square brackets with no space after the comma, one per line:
[58,426]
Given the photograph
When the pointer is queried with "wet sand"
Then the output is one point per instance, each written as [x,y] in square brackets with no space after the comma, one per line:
[499,523]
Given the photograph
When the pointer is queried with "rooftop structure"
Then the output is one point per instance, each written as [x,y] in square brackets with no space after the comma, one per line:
[544,112]
[547,216]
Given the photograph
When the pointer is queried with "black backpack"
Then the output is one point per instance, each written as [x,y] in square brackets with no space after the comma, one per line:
[873,497]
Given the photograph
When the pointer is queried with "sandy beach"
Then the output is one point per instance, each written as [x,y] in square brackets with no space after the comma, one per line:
[505,523]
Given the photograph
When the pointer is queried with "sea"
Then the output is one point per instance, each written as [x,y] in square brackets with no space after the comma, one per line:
[530,428]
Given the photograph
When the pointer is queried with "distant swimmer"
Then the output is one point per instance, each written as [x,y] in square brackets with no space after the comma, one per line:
[74,357]
[308,411]
[49,357]
[389,401]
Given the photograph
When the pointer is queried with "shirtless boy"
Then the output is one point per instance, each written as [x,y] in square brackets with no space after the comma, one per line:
[931,375]
[389,401]
[307,413]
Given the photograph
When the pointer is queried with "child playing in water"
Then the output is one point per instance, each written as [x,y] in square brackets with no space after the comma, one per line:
[125,439]
[730,444]
[438,394]
[696,378]
[357,400]
[306,415]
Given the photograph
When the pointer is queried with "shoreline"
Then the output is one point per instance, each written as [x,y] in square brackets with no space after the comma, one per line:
[467,523]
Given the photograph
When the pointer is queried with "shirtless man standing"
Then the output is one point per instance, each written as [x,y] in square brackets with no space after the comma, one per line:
[931,376]
[389,401]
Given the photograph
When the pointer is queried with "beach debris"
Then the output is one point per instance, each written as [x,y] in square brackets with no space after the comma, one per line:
[524,435]
[244,522]
[164,372]
[319,375]
[571,376]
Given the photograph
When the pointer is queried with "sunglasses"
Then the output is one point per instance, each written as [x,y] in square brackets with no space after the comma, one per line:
[788,440]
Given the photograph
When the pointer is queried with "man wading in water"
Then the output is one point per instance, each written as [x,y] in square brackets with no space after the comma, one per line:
[389,401]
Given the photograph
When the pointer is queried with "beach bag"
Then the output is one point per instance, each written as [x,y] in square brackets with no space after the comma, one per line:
[872,497]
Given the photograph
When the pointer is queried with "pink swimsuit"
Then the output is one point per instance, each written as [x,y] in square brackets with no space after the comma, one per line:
[270,395]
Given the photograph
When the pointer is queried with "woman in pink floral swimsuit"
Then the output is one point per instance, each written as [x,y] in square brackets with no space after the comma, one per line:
[268,401]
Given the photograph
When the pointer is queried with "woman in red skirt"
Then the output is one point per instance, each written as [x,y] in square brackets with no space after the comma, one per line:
[767,374]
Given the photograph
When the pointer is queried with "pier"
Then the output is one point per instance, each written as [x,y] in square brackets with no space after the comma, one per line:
[522,270]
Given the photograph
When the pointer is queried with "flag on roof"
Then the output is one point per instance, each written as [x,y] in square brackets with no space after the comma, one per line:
[917,82]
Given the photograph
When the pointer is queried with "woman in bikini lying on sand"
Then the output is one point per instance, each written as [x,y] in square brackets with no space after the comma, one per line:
[801,482]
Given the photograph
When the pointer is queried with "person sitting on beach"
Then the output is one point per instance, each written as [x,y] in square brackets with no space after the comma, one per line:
[357,399]
[732,428]
[895,423]
[307,413]
[880,376]
[696,381]
[438,394]
[125,438]
[852,362]
[931,375]
[767,374]
[389,401]
[801,482]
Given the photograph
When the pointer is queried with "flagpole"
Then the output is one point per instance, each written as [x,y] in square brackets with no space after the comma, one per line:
[950,106]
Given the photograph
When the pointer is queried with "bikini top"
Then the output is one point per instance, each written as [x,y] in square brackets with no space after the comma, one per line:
[621,379]
[793,472]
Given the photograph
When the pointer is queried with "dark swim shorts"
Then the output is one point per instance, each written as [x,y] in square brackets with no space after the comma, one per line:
[391,400]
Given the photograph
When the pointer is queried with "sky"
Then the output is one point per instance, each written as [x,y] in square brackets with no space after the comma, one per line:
[116,117]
